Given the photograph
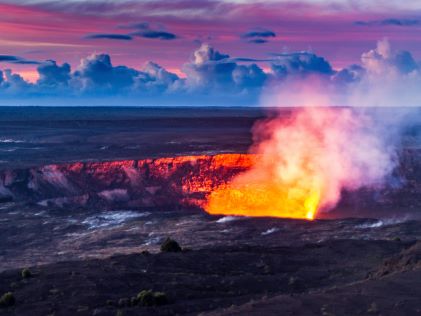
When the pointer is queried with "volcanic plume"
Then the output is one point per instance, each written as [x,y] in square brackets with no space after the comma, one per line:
[304,162]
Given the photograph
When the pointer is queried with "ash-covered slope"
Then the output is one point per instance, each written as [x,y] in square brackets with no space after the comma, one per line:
[176,181]
[207,279]
[392,289]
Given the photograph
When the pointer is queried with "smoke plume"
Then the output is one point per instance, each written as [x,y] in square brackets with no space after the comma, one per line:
[304,162]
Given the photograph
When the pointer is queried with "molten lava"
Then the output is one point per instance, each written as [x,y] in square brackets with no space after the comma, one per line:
[302,164]
[264,197]
[262,200]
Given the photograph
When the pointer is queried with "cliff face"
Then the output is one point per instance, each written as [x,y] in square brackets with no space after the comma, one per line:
[176,181]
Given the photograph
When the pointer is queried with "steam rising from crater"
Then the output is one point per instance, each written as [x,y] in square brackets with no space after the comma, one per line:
[303,164]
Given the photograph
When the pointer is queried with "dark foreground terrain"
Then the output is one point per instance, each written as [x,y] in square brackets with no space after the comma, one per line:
[337,277]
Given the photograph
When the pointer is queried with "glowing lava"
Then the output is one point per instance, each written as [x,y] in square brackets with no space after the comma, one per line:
[303,163]
[263,199]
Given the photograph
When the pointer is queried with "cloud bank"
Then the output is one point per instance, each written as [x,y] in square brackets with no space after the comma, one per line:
[384,77]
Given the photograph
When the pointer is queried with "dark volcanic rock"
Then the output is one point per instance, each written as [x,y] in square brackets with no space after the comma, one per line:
[194,281]
[134,183]
[395,295]
[409,259]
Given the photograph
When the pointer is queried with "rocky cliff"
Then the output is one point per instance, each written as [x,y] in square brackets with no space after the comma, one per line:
[175,181]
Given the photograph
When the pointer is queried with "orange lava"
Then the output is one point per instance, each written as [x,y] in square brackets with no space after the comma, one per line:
[262,195]
[263,199]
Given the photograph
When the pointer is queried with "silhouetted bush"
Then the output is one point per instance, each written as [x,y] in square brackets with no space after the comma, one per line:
[146,298]
[170,245]
[7,299]
[26,274]
[150,298]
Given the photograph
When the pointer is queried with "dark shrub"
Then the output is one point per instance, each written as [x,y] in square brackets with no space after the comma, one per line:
[7,299]
[26,274]
[146,298]
[170,245]
[150,298]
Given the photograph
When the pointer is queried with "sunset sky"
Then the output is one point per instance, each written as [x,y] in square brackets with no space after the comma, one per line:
[167,33]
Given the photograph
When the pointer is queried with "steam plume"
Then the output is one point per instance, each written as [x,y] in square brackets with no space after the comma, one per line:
[304,162]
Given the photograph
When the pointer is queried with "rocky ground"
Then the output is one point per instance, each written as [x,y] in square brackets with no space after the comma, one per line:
[392,288]
[335,277]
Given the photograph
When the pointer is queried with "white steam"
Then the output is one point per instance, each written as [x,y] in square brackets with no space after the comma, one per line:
[343,148]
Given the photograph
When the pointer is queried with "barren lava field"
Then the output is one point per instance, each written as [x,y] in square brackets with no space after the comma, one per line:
[89,228]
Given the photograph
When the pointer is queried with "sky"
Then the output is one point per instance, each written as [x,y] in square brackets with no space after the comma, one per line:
[188,50]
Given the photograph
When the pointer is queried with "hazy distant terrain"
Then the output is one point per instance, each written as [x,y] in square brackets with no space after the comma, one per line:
[31,136]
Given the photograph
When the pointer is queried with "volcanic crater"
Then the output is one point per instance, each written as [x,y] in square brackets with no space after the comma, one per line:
[84,237]
[250,266]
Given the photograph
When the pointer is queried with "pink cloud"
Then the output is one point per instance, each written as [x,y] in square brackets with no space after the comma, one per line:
[58,30]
